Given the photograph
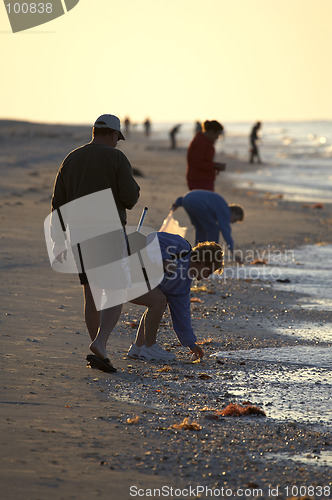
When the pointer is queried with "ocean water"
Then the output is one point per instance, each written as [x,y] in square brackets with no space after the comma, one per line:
[297,157]
[289,382]
[306,270]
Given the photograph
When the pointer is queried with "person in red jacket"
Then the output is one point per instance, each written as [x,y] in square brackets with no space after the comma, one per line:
[201,169]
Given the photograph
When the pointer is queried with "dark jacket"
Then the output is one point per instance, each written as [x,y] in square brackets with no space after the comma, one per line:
[92,168]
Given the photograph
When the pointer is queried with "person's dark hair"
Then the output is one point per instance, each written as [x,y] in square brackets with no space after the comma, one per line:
[101,132]
[209,253]
[213,125]
[238,211]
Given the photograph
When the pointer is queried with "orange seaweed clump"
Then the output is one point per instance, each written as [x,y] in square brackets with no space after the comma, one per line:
[204,341]
[187,425]
[199,289]
[133,420]
[206,408]
[165,368]
[236,410]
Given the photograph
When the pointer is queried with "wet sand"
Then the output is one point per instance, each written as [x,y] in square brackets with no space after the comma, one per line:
[72,432]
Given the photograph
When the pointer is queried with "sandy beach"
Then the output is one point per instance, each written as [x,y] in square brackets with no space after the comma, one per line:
[70,432]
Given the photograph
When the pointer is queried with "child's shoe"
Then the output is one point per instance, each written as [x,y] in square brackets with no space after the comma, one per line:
[134,351]
[156,353]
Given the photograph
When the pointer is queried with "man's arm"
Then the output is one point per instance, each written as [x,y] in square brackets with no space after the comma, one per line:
[59,192]
[128,188]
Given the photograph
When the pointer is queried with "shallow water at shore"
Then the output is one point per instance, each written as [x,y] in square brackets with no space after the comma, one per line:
[306,270]
[275,179]
[292,382]
[297,158]
[304,356]
[289,384]
[323,459]
[314,331]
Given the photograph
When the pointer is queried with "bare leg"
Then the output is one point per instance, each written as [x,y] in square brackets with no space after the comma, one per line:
[91,315]
[140,335]
[150,321]
[108,319]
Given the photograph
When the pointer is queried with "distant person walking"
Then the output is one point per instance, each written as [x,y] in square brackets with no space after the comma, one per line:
[210,214]
[253,139]
[147,127]
[172,134]
[201,169]
[127,125]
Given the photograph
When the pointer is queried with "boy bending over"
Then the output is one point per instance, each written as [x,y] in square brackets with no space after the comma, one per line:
[182,264]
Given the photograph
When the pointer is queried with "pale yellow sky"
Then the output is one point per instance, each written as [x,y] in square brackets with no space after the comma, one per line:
[174,60]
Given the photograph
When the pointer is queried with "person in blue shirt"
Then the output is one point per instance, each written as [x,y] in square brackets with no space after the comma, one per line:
[210,214]
[182,264]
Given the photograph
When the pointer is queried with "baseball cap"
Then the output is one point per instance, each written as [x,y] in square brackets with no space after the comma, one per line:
[109,121]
